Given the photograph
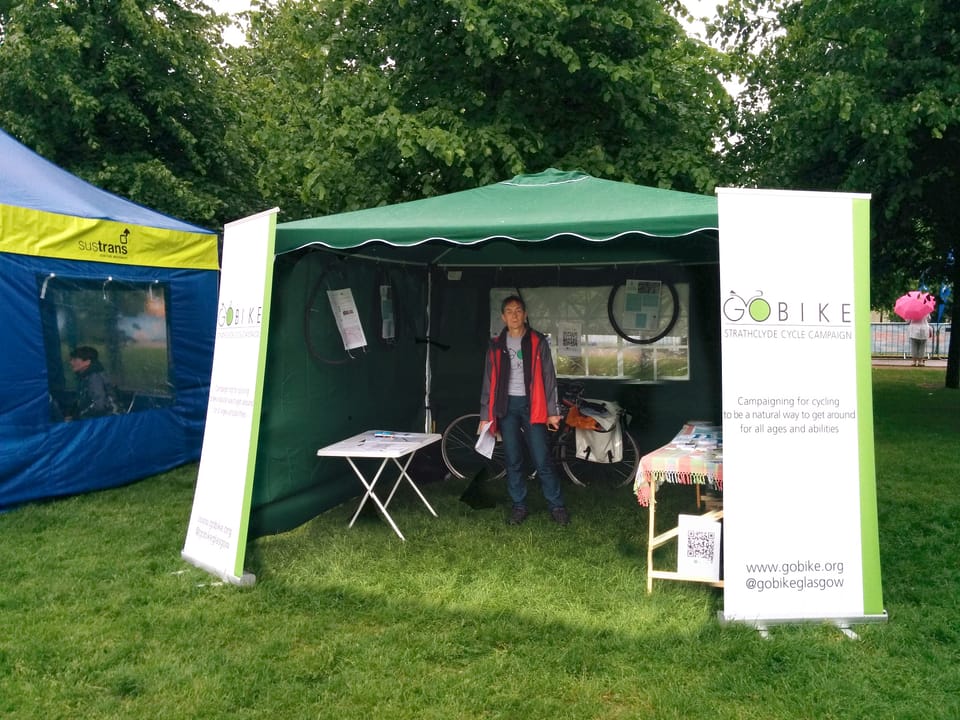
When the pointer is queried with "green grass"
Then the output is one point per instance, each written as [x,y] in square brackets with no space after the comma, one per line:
[471,618]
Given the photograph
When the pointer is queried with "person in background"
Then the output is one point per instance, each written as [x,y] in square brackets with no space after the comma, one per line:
[519,401]
[94,398]
[919,331]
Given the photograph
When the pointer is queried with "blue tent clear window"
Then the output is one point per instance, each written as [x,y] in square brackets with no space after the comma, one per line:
[127,324]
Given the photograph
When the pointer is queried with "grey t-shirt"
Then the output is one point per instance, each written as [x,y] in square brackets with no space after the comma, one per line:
[516,386]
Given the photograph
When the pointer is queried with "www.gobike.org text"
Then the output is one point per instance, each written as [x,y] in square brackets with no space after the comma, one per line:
[792,576]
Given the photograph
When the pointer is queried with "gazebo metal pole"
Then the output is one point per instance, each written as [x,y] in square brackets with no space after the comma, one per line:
[427,415]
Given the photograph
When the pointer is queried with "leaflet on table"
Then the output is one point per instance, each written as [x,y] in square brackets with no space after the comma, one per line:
[386,440]
[699,435]
[383,445]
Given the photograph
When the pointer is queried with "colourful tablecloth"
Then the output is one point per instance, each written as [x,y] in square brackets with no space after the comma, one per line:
[693,457]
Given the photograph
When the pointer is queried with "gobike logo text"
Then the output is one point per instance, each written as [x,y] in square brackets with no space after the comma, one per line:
[758,309]
[231,316]
[116,247]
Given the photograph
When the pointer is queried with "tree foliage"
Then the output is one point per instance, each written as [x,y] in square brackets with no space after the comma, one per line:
[862,96]
[858,96]
[353,103]
[129,95]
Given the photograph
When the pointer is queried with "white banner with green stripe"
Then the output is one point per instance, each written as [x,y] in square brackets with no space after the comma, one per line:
[217,534]
[800,509]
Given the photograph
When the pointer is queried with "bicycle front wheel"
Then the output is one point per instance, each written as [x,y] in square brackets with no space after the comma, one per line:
[459,455]
[587,472]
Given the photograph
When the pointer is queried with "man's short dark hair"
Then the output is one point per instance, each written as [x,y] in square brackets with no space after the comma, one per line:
[85,352]
[512,299]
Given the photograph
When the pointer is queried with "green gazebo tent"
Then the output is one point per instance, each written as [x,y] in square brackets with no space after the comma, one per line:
[439,258]
[497,224]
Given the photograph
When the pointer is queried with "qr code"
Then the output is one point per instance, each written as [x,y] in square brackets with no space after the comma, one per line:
[700,544]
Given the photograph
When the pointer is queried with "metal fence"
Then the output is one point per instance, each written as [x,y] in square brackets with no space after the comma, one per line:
[891,340]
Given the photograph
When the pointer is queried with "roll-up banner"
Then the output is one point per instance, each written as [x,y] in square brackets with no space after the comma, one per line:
[217,534]
[800,509]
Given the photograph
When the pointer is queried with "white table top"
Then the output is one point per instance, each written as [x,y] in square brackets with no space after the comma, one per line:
[380,444]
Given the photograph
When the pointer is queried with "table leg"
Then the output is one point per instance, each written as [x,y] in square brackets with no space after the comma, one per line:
[371,495]
[403,474]
[651,515]
[655,541]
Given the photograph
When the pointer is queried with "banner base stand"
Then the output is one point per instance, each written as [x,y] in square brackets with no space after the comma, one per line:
[245,580]
[843,624]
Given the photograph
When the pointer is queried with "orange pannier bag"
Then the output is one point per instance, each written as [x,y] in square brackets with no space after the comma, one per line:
[578,420]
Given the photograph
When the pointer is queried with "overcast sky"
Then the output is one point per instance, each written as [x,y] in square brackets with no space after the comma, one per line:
[698,8]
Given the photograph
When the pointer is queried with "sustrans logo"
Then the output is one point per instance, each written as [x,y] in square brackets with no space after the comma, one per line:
[116,249]
[758,309]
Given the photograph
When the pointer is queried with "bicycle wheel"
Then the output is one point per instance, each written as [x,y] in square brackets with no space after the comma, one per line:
[320,333]
[459,455]
[584,472]
[646,313]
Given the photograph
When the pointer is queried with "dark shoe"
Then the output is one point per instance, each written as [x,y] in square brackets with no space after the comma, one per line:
[560,515]
[518,515]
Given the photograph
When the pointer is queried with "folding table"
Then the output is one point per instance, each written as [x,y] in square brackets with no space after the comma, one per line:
[388,446]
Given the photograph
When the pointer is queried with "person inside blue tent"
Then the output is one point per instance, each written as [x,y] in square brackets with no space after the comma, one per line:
[94,392]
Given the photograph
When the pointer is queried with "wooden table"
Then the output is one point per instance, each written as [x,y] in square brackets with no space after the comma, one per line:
[693,457]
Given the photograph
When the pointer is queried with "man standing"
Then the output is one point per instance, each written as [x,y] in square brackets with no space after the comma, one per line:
[519,401]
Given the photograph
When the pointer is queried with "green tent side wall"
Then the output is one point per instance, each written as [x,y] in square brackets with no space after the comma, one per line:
[309,401]
[441,257]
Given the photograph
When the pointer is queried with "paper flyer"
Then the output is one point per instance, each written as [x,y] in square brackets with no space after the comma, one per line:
[348,319]
[486,442]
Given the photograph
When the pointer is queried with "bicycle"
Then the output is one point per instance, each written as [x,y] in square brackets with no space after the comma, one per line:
[464,462]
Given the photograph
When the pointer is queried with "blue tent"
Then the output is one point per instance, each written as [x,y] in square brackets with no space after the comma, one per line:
[82,267]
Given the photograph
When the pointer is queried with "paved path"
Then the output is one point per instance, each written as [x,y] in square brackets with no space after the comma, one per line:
[900,362]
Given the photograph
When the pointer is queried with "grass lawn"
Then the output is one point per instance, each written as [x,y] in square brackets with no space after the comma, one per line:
[471,618]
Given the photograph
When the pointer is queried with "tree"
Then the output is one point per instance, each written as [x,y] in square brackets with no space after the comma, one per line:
[856,95]
[353,103]
[130,95]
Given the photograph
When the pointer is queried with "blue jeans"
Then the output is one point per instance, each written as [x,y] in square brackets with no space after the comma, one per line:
[515,427]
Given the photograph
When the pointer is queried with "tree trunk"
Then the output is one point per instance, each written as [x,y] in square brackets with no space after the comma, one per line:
[953,351]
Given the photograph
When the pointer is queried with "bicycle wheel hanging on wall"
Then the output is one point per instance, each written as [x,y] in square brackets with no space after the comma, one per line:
[643,311]
[320,333]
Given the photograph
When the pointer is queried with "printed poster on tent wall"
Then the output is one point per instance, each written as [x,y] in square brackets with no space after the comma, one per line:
[217,534]
[800,519]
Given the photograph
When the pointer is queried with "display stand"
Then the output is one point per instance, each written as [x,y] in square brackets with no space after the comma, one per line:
[693,457]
